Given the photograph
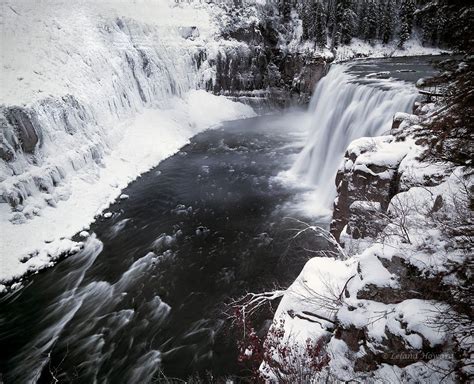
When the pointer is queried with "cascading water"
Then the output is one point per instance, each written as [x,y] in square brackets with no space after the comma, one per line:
[342,109]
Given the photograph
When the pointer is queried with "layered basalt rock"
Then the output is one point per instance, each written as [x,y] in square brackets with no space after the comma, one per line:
[257,65]
[389,209]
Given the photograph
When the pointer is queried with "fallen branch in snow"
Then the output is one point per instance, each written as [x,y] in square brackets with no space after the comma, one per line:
[305,318]
[431,94]
[13,9]
[308,313]
[380,315]
[345,286]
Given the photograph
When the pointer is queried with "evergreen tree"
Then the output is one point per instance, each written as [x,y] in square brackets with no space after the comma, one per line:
[437,21]
[331,22]
[363,19]
[312,19]
[306,20]
[387,22]
[430,28]
[346,20]
[380,11]
[372,21]
[320,32]
[406,15]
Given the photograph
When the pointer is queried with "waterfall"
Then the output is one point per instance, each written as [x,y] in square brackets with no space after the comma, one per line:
[342,109]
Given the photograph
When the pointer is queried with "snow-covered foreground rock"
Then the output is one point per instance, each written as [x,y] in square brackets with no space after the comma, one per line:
[394,304]
[91,99]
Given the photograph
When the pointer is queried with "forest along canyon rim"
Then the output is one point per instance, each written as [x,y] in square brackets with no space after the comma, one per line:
[207,224]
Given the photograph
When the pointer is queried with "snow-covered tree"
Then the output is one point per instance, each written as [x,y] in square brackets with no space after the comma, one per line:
[387,23]
[320,34]
[368,20]
[346,19]
[438,22]
[406,15]
[307,19]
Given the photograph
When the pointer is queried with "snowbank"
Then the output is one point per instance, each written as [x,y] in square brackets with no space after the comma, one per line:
[360,48]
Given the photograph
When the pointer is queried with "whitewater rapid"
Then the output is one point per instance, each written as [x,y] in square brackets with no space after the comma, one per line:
[342,109]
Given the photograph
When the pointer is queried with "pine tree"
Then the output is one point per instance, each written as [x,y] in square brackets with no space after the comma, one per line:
[430,27]
[306,20]
[312,19]
[320,32]
[380,11]
[363,19]
[406,15]
[372,21]
[387,22]
[330,10]
[346,20]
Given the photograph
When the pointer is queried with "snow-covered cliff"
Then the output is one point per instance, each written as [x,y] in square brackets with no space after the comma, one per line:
[93,94]
[392,305]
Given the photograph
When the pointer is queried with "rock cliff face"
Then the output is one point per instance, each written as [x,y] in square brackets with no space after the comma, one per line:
[258,65]
[364,188]
[388,198]
[372,173]
[94,98]
[134,65]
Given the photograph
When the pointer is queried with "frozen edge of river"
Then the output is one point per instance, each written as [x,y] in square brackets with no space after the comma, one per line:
[149,138]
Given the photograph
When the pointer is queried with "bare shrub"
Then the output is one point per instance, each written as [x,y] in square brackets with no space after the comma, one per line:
[284,360]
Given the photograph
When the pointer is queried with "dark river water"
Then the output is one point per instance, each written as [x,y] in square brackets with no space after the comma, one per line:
[149,288]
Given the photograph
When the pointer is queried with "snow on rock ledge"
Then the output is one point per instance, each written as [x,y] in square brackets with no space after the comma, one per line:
[397,307]
[368,175]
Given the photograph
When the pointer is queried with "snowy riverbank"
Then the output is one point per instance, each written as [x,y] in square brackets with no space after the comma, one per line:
[90,100]
[148,138]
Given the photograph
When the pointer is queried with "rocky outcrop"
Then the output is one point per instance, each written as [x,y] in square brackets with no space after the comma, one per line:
[397,213]
[365,185]
[397,297]
[411,284]
[23,124]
